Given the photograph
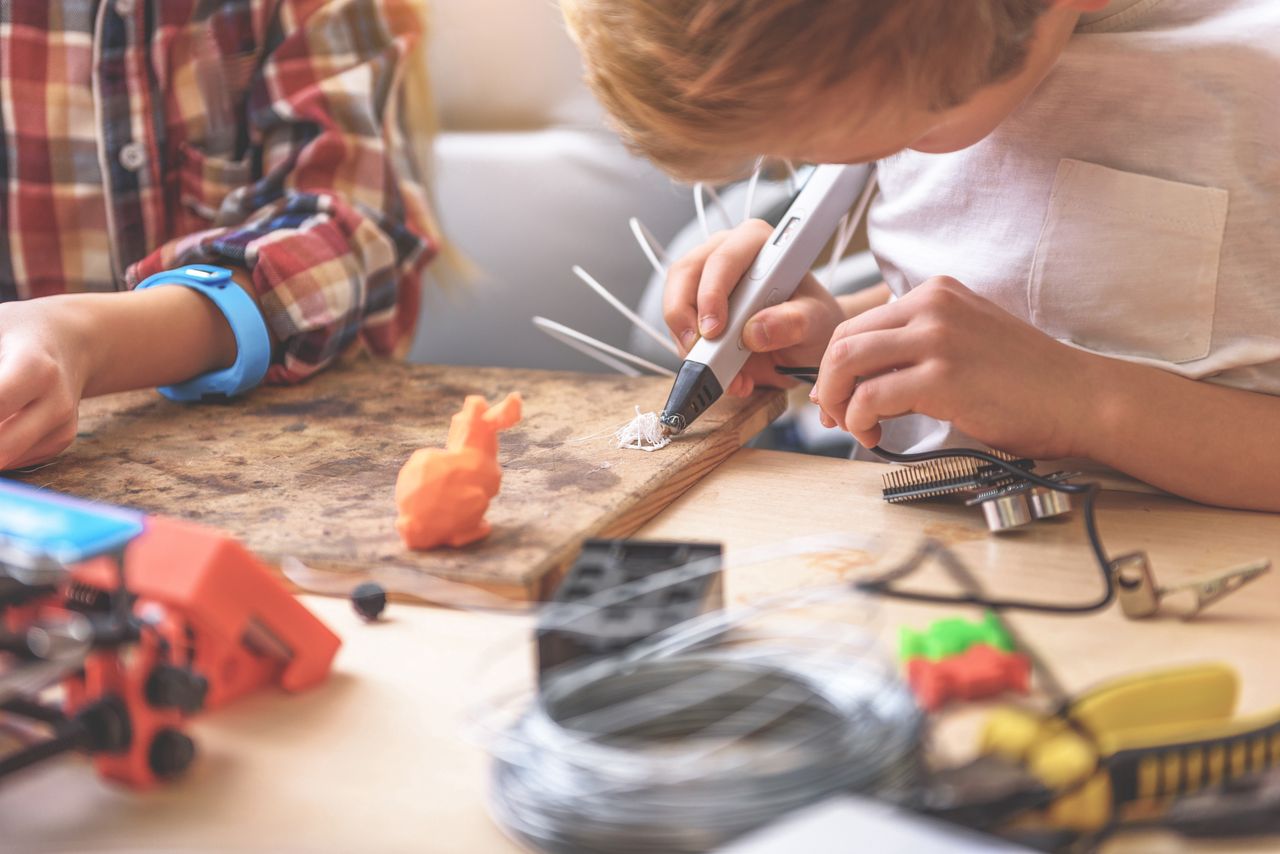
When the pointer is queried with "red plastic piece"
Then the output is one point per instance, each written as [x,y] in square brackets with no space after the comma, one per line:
[107,674]
[980,672]
[249,630]
[209,605]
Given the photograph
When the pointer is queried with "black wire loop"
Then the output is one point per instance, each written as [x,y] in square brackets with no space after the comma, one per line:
[882,585]
[1089,491]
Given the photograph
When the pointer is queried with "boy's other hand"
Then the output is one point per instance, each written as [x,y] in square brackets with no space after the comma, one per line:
[945,352]
[696,303]
[43,369]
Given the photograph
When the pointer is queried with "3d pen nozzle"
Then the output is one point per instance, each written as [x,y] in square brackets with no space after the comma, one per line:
[695,389]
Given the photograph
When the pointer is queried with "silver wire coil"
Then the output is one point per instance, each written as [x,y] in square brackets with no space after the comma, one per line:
[683,753]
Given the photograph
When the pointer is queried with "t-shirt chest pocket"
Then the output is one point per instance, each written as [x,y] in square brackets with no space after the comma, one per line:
[1127,264]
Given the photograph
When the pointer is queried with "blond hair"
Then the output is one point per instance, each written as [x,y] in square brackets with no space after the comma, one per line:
[691,84]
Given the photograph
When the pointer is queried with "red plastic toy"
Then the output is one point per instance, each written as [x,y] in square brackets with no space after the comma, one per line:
[183,619]
[979,672]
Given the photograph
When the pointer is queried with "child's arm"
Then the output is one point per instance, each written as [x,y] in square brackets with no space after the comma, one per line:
[945,352]
[333,232]
[55,350]
[1199,440]
[330,240]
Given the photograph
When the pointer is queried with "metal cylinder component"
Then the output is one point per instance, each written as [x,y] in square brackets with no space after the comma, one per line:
[1046,503]
[1006,512]
[1135,585]
[61,640]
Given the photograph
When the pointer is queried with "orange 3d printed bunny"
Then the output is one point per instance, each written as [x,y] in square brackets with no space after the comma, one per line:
[442,494]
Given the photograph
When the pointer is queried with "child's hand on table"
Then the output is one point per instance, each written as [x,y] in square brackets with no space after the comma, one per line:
[696,302]
[945,352]
[43,370]
[55,350]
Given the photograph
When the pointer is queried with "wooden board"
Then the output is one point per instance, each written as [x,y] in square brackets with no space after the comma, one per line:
[309,471]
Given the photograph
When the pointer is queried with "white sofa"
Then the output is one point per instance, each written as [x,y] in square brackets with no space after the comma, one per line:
[528,183]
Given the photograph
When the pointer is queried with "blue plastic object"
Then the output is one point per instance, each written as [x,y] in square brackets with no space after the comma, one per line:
[253,342]
[68,530]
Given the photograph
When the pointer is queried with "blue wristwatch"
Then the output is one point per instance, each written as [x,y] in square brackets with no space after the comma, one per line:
[253,343]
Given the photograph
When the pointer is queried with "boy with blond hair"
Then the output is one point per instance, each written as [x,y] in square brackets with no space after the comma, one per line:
[1078,223]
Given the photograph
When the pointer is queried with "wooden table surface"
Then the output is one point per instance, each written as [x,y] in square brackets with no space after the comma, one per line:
[382,758]
[308,472]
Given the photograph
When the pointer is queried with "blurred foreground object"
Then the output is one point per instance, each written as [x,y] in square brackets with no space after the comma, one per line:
[143,622]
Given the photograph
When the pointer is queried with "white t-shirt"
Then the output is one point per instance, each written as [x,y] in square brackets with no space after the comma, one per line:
[1130,206]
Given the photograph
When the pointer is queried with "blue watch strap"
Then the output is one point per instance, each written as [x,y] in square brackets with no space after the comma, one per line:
[253,343]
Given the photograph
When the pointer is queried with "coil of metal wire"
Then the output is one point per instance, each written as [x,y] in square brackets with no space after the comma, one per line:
[682,753]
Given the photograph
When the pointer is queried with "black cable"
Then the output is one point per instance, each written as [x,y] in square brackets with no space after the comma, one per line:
[1089,491]
[806,373]
[68,736]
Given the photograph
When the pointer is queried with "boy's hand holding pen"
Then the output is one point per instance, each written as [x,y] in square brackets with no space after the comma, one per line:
[945,352]
[696,303]
[940,351]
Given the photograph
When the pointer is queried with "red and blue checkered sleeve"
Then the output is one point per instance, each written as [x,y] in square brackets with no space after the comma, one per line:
[336,229]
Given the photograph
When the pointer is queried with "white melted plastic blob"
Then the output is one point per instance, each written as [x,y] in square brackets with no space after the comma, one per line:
[642,433]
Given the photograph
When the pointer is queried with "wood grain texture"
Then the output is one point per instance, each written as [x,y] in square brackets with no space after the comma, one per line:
[310,471]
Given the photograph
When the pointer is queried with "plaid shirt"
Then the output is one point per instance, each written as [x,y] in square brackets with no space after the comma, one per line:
[264,135]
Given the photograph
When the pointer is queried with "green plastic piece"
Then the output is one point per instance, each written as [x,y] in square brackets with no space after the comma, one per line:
[952,636]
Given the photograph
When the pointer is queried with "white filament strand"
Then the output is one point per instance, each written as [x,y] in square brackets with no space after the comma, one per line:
[621,307]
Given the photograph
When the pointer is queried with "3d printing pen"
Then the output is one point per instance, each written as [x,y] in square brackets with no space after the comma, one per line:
[803,231]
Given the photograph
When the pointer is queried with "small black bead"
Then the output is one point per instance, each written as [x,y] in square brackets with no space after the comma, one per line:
[369,600]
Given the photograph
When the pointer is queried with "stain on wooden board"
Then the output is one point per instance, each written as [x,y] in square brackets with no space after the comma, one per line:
[309,471]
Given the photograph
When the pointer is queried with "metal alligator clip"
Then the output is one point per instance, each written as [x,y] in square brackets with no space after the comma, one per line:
[1140,596]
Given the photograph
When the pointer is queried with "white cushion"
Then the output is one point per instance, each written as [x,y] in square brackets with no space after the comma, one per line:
[525,207]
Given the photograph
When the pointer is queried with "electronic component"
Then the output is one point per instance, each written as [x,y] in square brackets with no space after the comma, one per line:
[948,476]
[1140,596]
[1047,503]
[980,672]
[1142,593]
[1020,502]
[630,590]
[1007,500]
